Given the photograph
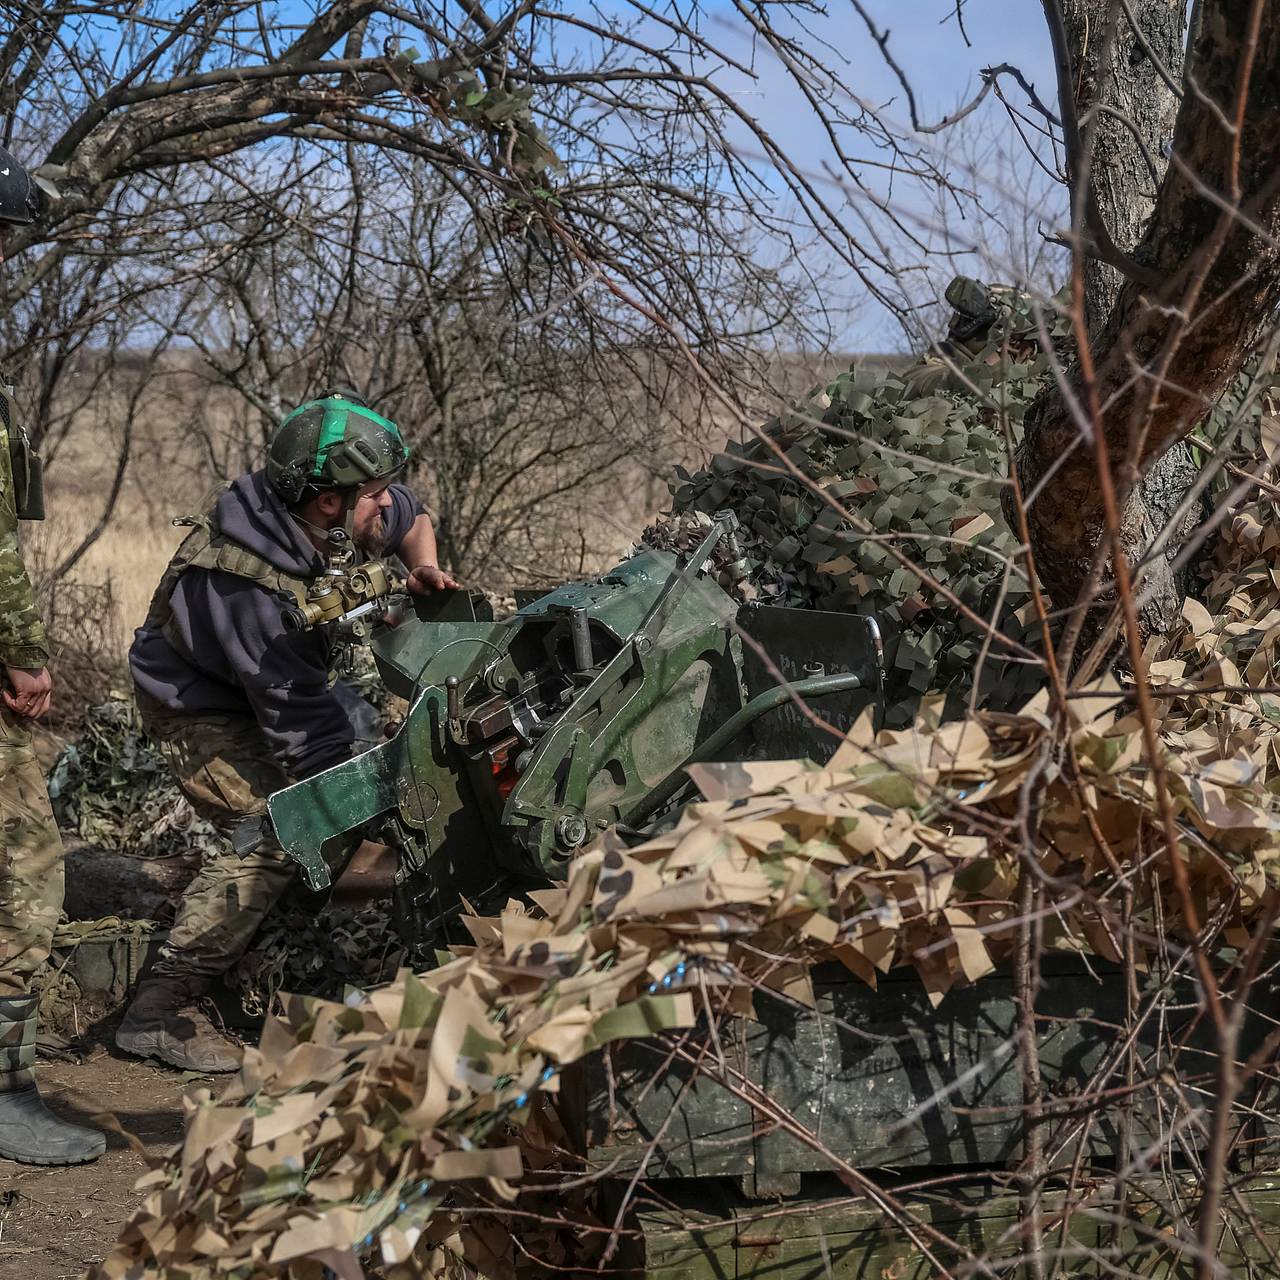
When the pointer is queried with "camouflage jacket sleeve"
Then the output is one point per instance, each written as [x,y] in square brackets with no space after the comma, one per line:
[22,640]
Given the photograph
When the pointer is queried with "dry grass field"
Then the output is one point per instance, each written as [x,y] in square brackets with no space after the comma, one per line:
[128,558]
[93,607]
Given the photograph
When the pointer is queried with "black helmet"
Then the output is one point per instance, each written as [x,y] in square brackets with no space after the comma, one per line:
[332,443]
[23,200]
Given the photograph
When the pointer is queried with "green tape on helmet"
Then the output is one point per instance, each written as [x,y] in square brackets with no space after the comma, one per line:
[332,432]
[333,443]
[336,431]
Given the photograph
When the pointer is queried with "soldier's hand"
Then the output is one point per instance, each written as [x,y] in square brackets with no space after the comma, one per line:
[29,693]
[427,578]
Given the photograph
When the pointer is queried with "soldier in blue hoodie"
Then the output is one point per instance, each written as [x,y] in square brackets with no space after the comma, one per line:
[241,706]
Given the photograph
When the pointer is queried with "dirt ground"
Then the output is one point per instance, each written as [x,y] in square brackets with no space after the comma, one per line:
[55,1222]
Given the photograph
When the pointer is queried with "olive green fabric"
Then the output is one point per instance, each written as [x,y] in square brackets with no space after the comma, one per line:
[17,1044]
[226,769]
[24,463]
[22,638]
[31,876]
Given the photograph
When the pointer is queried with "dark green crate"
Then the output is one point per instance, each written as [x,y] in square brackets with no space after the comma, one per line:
[881,1077]
[688,1239]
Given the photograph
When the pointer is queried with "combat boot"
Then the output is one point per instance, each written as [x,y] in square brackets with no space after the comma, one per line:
[29,1131]
[165,1021]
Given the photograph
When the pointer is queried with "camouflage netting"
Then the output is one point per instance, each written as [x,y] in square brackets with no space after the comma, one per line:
[112,788]
[914,461]
[307,952]
[354,1131]
[354,1135]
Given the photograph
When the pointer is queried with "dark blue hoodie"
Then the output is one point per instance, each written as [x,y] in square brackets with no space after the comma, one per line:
[246,662]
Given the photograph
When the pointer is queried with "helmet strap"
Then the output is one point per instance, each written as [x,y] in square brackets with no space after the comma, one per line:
[319,530]
[349,522]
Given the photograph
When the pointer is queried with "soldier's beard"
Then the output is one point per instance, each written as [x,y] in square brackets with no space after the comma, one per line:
[371,535]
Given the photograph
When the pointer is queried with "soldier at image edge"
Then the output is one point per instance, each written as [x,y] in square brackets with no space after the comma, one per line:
[239,704]
[31,871]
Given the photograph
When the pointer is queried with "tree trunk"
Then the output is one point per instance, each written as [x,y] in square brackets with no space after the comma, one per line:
[1130,112]
[1210,284]
[1112,77]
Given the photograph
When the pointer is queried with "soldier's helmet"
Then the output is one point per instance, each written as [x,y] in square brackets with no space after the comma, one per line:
[23,199]
[333,442]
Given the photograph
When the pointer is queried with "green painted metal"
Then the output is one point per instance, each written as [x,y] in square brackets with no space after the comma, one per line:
[783,643]
[899,1090]
[411,790]
[881,1078]
[526,737]
[716,1236]
[806,690]
[619,600]
[640,704]
[313,818]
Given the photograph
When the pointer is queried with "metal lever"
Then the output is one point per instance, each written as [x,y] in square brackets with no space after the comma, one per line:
[664,606]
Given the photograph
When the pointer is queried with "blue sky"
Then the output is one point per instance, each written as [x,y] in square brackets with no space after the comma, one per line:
[944,73]
[925,41]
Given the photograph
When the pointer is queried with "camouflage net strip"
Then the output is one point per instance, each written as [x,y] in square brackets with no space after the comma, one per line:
[307,952]
[345,1134]
[113,788]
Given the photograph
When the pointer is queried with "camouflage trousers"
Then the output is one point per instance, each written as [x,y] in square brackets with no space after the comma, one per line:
[31,874]
[227,771]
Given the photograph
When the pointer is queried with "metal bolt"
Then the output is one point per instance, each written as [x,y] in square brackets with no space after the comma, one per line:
[571,830]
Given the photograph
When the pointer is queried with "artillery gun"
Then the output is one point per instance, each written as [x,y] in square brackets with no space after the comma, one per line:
[526,737]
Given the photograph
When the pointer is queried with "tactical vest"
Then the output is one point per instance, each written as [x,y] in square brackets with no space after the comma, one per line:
[207,547]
